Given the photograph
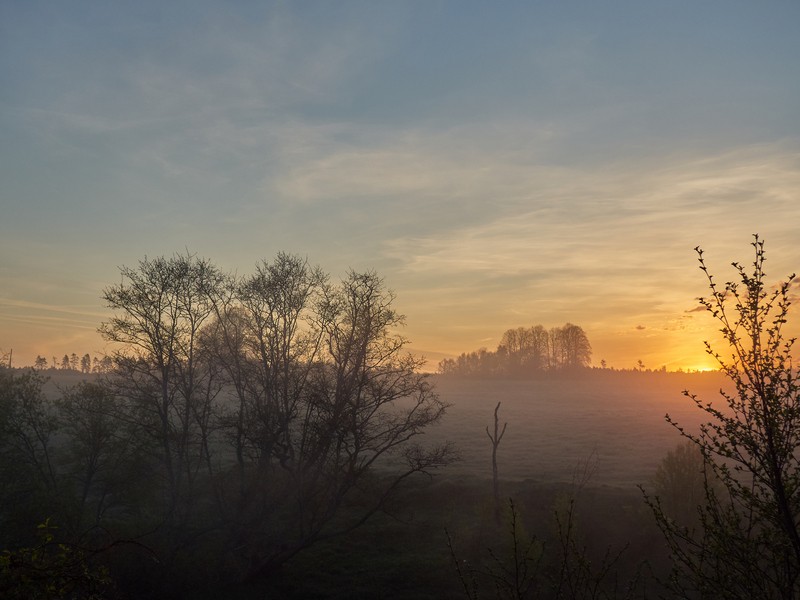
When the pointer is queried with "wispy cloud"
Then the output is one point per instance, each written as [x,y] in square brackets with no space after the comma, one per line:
[564,170]
[20,310]
[597,219]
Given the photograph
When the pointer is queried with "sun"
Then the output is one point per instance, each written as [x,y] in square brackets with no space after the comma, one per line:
[700,369]
[698,366]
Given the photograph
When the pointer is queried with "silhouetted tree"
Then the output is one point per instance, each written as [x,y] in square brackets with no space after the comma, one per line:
[525,352]
[748,541]
[344,398]
[495,438]
[575,348]
[160,308]
[102,365]
[28,426]
[307,383]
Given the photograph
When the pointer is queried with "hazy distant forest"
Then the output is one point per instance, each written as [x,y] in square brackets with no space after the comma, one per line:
[269,436]
[526,352]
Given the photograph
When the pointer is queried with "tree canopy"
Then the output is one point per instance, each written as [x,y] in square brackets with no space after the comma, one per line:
[526,352]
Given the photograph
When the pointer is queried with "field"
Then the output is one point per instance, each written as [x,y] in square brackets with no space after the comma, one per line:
[616,418]
[556,424]
[615,421]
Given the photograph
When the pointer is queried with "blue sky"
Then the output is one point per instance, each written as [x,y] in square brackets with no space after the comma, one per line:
[500,165]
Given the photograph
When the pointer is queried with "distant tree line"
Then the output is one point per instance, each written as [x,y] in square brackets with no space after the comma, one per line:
[72,362]
[525,352]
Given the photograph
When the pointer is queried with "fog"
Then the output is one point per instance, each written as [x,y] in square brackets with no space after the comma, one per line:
[617,418]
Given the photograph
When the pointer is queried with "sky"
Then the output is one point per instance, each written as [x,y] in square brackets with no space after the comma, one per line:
[498,164]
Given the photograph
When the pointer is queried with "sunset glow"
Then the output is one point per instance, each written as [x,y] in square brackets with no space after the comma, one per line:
[498,167]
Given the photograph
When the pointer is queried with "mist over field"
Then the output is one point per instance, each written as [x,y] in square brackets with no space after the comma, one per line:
[590,436]
[614,419]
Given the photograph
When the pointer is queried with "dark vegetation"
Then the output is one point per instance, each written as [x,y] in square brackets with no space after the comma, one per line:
[72,362]
[745,542]
[261,437]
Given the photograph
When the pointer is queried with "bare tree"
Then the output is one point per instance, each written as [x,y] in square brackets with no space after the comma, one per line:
[363,402]
[312,388]
[160,308]
[264,341]
[525,350]
[495,439]
[572,348]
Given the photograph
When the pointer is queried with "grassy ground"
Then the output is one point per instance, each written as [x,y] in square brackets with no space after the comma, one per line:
[556,424]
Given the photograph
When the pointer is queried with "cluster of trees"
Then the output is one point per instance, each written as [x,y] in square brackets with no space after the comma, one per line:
[246,419]
[71,362]
[526,352]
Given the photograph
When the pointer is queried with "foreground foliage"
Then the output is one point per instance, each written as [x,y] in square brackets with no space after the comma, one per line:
[50,571]
[521,566]
[747,541]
